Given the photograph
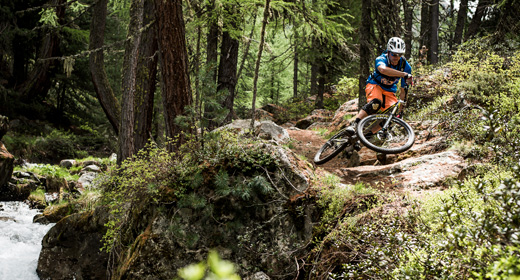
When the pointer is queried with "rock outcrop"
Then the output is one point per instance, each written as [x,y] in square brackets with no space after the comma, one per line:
[6,160]
[71,249]
[259,233]
[6,166]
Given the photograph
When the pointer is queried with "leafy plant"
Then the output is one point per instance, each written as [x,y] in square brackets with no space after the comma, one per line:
[229,164]
[213,269]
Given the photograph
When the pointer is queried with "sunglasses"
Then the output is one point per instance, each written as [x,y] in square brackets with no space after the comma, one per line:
[396,54]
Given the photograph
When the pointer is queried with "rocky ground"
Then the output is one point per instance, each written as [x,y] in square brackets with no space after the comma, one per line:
[423,168]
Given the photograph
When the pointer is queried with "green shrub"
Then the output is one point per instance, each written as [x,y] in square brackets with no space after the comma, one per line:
[48,170]
[214,268]
[229,164]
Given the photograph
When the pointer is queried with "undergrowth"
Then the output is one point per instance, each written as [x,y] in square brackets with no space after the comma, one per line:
[472,229]
[225,163]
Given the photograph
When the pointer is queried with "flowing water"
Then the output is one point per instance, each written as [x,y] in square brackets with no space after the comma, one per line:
[20,241]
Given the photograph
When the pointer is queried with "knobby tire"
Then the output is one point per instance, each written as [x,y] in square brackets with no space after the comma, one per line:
[397,125]
[331,144]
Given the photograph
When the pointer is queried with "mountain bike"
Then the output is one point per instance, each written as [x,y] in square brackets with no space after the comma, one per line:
[384,132]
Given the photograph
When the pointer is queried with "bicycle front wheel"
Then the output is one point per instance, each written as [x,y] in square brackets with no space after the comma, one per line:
[397,138]
[332,147]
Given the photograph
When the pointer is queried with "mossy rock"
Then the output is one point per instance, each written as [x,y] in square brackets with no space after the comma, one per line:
[55,213]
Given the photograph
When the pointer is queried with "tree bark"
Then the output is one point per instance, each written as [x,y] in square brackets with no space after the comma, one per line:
[104,92]
[295,69]
[176,92]
[146,79]
[364,50]
[211,63]
[227,72]
[126,135]
[461,22]
[474,26]
[434,41]
[408,24]
[314,78]
[248,45]
[508,21]
[425,34]
[258,59]
[38,82]
[322,73]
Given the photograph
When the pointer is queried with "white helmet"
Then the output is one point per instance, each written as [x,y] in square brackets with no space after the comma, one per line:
[396,45]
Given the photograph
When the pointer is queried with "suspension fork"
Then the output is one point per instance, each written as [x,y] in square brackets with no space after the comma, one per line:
[391,116]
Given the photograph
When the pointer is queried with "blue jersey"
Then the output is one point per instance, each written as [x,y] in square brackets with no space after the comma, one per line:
[388,83]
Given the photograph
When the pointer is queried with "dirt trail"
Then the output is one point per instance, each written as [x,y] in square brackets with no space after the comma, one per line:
[426,166]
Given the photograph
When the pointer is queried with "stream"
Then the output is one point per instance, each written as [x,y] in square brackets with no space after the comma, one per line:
[20,241]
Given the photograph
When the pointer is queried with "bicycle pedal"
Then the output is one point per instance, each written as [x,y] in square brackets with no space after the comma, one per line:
[357,146]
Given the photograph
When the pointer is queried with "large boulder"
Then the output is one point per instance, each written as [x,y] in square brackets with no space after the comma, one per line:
[415,173]
[265,232]
[6,166]
[344,115]
[318,115]
[266,130]
[258,234]
[71,249]
[4,126]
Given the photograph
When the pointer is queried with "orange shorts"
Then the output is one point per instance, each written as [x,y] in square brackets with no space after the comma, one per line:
[375,91]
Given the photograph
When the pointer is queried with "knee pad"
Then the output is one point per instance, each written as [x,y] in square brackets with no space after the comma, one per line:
[372,106]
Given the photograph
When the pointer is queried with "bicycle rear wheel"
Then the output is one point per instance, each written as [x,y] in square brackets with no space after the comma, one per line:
[332,147]
[397,138]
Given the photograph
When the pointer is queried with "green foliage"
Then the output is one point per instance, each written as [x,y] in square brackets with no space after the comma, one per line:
[334,196]
[48,170]
[38,196]
[213,269]
[471,231]
[348,87]
[49,17]
[55,146]
[479,101]
[295,109]
[229,164]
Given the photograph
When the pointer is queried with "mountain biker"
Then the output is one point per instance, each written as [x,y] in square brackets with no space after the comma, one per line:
[381,85]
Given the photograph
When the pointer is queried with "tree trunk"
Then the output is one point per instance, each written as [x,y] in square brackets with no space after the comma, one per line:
[104,92]
[211,64]
[227,72]
[474,26]
[388,19]
[196,70]
[295,68]
[322,73]
[408,24]
[126,135]
[314,77]
[461,22]
[146,79]
[38,82]
[434,41]
[364,50]
[425,34]
[508,21]
[258,59]
[248,45]
[176,93]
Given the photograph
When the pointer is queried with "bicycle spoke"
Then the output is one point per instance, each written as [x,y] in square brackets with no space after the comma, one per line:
[396,138]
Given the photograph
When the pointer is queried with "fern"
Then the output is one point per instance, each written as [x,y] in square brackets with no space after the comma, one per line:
[222,183]
[197,180]
[242,190]
[260,184]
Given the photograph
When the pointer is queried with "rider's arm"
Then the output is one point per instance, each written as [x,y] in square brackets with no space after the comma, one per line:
[383,69]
